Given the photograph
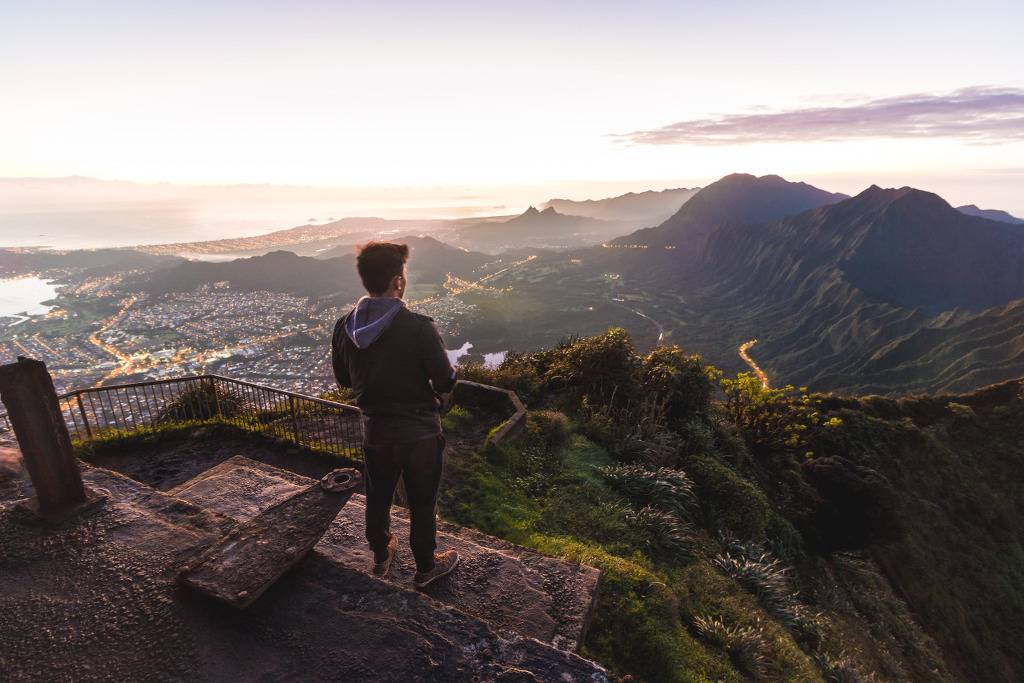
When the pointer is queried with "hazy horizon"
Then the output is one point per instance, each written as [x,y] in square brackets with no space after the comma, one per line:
[84,212]
[517,103]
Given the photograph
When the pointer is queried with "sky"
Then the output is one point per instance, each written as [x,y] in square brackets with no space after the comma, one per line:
[618,95]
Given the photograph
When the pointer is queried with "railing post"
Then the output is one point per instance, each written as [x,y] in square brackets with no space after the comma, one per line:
[216,397]
[295,420]
[26,389]
[85,420]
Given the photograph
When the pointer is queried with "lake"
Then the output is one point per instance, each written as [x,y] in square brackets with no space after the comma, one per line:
[491,360]
[24,296]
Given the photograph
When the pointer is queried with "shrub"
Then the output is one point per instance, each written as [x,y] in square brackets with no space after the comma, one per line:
[603,367]
[340,395]
[961,411]
[683,381]
[882,407]
[658,449]
[661,530]
[202,402]
[457,418]
[857,506]
[738,547]
[730,502]
[783,538]
[697,436]
[1002,411]
[600,427]
[549,427]
[635,430]
[843,669]
[745,645]
[771,419]
[516,372]
[768,579]
[667,489]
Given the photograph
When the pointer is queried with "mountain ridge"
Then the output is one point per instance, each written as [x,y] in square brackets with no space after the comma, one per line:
[991,214]
[285,271]
[546,228]
[832,293]
[649,206]
[735,198]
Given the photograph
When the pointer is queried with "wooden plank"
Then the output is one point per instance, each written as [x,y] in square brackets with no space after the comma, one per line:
[249,559]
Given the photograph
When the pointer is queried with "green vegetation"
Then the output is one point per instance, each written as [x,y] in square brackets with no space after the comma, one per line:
[746,645]
[116,441]
[774,419]
[753,533]
[203,401]
[750,533]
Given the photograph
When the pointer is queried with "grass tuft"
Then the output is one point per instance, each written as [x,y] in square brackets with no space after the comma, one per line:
[745,645]
[667,489]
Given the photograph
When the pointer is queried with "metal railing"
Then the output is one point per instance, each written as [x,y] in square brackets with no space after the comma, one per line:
[305,421]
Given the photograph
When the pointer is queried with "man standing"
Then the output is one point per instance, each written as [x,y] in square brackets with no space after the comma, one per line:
[396,362]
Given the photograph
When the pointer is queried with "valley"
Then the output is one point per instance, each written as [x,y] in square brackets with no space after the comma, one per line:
[878,293]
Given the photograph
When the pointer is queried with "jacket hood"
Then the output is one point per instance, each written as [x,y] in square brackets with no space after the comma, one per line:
[370,318]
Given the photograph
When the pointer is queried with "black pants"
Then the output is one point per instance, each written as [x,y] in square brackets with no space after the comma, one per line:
[419,464]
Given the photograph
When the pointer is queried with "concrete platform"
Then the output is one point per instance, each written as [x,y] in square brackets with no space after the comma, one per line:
[97,600]
[510,587]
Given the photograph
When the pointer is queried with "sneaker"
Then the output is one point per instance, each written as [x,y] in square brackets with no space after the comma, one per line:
[444,563]
[382,567]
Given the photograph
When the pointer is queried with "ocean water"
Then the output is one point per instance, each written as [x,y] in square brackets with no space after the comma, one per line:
[24,296]
[122,226]
[87,214]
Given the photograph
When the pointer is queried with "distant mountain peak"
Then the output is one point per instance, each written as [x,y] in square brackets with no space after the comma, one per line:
[532,214]
[915,197]
[880,198]
[751,179]
[649,207]
[735,198]
[990,214]
[738,177]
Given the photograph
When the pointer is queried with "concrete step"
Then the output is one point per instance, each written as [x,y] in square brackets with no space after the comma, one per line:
[510,587]
[98,600]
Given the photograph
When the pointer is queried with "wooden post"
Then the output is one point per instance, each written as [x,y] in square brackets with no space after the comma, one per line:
[26,389]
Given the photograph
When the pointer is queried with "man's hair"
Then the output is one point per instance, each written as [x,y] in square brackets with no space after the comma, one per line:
[379,262]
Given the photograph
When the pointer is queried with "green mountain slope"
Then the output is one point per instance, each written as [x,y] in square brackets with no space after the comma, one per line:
[889,292]
[283,271]
[746,533]
[738,198]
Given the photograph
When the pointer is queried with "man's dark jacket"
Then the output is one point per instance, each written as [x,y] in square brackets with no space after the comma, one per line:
[397,371]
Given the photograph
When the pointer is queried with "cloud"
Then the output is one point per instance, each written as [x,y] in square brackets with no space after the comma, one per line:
[981,115]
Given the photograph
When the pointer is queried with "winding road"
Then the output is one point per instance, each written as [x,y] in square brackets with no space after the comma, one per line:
[744,347]
[661,329]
